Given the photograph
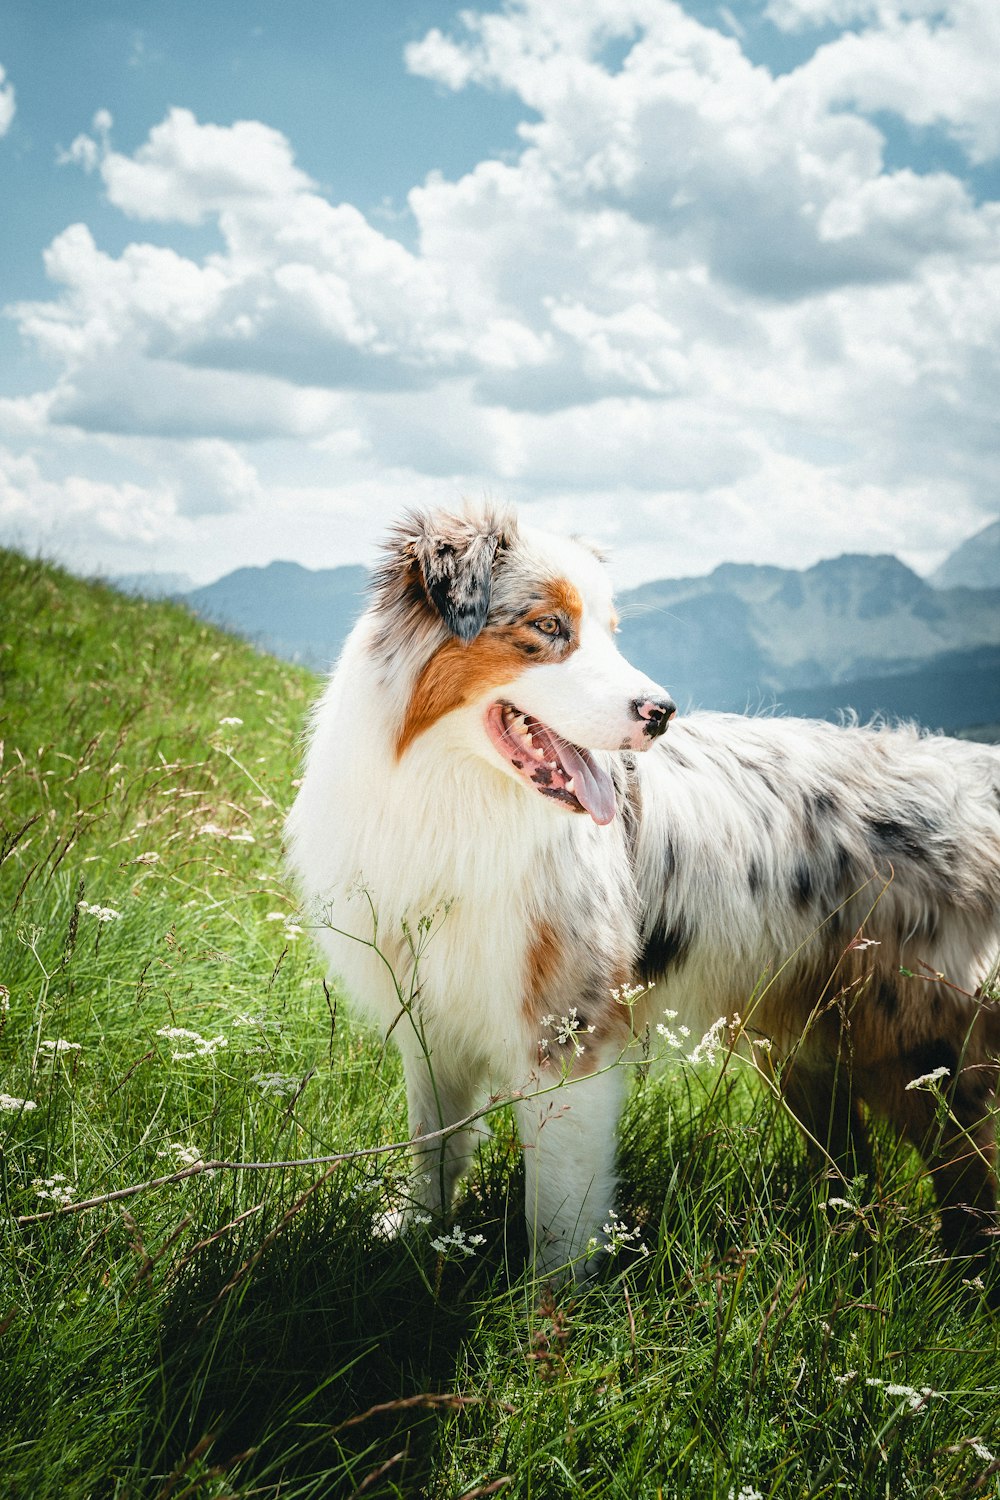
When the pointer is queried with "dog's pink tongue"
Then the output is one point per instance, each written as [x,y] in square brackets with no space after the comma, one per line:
[592,785]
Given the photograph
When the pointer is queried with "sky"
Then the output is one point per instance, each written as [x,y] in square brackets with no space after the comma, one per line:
[706,282]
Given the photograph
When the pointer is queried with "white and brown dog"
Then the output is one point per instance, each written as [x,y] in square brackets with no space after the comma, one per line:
[498,840]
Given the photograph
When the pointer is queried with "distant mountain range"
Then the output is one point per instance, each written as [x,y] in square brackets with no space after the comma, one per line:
[856,632]
[302,614]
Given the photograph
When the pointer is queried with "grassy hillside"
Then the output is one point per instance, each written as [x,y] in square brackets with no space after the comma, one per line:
[243,1334]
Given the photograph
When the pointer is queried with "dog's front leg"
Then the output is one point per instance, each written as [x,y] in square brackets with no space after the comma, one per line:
[439,1092]
[569,1137]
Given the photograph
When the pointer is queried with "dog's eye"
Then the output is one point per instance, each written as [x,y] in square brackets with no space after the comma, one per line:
[548,625]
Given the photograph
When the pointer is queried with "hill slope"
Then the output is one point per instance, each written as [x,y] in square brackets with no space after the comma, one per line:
[246,1333]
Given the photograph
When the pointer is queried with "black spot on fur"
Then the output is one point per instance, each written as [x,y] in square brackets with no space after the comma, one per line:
[899,838]
[931,1055]
[887,997]
[802,884]
[758,770]
[754,878]
[844,869]
[663,949]
[817,807]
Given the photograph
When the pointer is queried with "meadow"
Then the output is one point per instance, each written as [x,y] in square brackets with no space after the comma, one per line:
[241,1332]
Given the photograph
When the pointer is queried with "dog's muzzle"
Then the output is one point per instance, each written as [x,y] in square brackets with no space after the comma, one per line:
[655,714]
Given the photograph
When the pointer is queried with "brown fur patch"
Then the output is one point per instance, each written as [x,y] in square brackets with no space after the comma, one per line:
[456,674]
[544,961]
[460,671]
[565,599]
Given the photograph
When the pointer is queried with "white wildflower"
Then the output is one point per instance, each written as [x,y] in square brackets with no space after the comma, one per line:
[60,1044]
[566,1030]
[233,721]
[915,1399]
[628,994]
[974,1281]
[57,1189]
[927,1080]
[981,1451]
[182,1156]
[282,1084]
[847,1375]
[670,1036]
[8,1102]
[102,913]
[762,1043]
[275,916]
[617,1236]
[745,1492]
[710,1043]
[200,1046]
[4,999]
[458,1240]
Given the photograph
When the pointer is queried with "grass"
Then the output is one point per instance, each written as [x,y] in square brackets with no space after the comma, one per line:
[246,1334]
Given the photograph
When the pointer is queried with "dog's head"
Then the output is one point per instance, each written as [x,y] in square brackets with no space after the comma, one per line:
[513,631]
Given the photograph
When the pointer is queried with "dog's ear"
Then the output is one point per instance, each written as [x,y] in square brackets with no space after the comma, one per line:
[455,555]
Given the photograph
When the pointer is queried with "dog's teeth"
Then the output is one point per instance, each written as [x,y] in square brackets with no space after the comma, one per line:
[570,785]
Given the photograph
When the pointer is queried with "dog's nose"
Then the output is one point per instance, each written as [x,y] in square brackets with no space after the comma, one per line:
[655,713]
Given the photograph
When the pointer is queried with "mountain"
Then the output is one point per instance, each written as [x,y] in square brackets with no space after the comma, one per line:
[973,565]
[743,634]
[301,614]
[958,690]
[855,632]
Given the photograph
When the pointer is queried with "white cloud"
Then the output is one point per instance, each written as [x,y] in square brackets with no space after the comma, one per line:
[78,509]
[8,103]
[695,290]
[187,171]
[930,70]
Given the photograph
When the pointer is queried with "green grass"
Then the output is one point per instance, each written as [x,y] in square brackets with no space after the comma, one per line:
[230,1335]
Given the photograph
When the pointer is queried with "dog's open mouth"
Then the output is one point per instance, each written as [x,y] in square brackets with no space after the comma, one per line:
[552,766]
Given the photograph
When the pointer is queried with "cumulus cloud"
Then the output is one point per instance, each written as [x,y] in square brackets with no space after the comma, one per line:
[187,171]
[77,508]
[695,285]
[8,103]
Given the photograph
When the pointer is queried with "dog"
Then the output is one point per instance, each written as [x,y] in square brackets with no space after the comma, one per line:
[517,870]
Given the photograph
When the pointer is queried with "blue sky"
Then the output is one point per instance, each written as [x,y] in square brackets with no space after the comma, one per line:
[706,281]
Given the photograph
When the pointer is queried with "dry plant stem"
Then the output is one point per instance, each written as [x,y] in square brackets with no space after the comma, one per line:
[335,1160]
[449,1399]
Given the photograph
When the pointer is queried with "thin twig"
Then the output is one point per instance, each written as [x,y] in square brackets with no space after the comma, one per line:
[336,1159]
[450,1399]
